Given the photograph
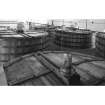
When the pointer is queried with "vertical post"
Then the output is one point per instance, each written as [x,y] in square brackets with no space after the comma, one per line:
[86,23]
[52,22]
[41,43]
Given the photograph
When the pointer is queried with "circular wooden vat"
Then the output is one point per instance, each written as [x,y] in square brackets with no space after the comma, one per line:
[78,39]
[100,44]
[14,45]
[11,46]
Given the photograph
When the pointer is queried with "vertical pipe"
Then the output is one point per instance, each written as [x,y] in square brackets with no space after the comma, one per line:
[67,66]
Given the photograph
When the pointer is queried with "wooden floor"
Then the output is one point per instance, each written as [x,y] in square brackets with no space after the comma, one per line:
[52,47]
